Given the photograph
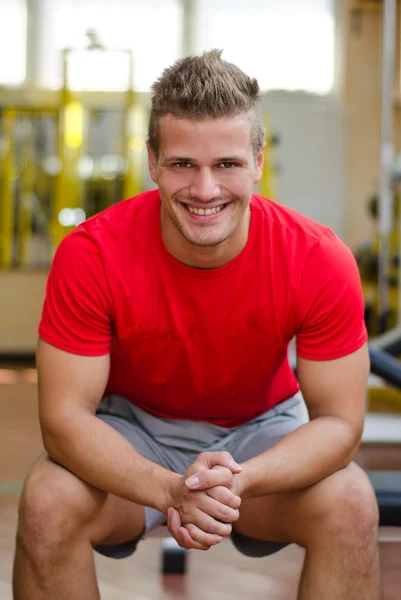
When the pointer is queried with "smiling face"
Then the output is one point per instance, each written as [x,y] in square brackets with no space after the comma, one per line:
[205,171]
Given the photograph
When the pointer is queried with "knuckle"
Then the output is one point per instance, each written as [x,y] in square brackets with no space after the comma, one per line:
[235,516]
[204,478]
[225,494]
[211,527]
[217,528]
[235,502]
[192,530]
[224,455]
[227,478]
[225,513]
[204,455]
[232,515]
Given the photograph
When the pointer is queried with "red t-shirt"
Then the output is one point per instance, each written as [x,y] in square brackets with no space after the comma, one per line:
[197,344]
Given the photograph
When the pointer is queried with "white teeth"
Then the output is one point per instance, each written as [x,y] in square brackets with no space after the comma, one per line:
[208,211]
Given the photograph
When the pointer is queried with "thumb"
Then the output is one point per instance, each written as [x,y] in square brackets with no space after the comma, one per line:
[218,459]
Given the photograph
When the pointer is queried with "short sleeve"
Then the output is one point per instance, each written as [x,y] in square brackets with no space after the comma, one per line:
[77,311]
[330,302]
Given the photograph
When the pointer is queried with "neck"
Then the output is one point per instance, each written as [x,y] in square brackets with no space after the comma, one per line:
[204,257]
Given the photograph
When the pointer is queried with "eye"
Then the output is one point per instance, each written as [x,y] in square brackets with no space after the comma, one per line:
[227,165]
[182,165]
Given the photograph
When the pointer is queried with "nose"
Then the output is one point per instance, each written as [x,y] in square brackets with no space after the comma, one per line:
[204,185]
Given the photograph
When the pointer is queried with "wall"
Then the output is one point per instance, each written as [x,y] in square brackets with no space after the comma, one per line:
[21,298]
[311,175]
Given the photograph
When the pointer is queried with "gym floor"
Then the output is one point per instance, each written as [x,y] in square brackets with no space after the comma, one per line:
[219,574]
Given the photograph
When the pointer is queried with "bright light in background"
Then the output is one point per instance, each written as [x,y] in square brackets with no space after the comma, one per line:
[97,70]
[52,165]
[111,165]
[151,28]
[86,167]
[69,217]
[12,42]
[287,45]
[73,126]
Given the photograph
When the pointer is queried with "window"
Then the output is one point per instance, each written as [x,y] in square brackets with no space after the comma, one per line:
[12,42]
[286,45]
[151,28]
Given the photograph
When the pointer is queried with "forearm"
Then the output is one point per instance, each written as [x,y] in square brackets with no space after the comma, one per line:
[302,458]
[102,457]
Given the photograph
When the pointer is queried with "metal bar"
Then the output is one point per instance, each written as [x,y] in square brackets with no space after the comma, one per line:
[7,181]
[386,192]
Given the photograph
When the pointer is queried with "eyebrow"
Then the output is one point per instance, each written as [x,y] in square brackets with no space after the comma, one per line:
[188,159]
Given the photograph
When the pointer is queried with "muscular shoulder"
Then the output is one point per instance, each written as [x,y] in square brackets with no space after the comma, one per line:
[309,248]
[113,235]
[122,218]
[288,224]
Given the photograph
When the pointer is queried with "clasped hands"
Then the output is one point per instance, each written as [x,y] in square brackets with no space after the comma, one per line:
[204,504]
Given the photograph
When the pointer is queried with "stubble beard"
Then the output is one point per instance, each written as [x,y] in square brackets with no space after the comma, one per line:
[204,238]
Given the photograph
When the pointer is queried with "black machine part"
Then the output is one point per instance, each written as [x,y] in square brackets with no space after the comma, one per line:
[386,366]
[387,485]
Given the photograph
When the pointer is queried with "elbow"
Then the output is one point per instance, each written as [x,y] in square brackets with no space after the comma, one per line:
[54,440]
[352,441]
[357,432]
[51,443]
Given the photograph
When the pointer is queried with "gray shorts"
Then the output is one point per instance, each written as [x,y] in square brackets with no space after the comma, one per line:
[175,444]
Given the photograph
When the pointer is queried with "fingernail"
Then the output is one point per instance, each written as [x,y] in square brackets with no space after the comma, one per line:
[235,465]
[193,482]
[218,539]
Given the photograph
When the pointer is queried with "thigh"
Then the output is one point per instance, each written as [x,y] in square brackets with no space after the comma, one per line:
[297,516]
[55,502]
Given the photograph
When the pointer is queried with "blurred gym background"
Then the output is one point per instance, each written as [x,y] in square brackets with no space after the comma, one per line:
[75,77]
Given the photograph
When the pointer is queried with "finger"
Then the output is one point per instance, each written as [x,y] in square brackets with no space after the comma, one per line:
[205,539]
[210,525]
[182,535]
[193,544]
[223,459]
[174,525]
[219,511]
[225,496]
[205,479]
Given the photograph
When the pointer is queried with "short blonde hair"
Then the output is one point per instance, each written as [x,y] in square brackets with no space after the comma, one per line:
[206,86]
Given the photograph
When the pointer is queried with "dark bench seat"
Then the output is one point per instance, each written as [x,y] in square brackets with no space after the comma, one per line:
[387,485]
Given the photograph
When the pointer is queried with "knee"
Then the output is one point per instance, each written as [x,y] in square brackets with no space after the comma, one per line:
[348,509]
[54,507]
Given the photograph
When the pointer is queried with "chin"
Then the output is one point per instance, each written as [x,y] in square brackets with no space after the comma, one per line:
[206,241]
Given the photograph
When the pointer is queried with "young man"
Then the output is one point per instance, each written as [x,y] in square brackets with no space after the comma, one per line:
[163,364]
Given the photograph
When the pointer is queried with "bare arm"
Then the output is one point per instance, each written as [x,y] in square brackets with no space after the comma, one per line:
[70,388]
[335,394]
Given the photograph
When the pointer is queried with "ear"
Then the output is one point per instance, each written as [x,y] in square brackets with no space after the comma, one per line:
[152,163]
[260,159]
